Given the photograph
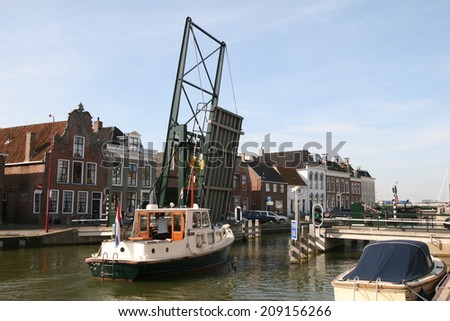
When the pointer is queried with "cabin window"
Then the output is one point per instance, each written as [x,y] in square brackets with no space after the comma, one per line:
[196,220]
[143,224]
[205,219]
[176,226]
[201,219]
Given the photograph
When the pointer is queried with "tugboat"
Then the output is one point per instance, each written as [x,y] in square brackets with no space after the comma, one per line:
[192,243]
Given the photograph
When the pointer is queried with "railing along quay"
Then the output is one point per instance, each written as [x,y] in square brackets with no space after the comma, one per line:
[428,228]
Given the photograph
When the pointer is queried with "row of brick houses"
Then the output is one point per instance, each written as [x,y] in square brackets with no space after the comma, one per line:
[274,181]
[84,169]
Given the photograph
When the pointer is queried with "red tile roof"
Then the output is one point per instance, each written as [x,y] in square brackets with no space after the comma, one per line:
[13,140]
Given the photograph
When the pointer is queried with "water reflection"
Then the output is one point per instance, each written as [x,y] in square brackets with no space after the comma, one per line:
[257,270]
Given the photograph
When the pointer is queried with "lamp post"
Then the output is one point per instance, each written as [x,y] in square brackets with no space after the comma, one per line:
[49,173]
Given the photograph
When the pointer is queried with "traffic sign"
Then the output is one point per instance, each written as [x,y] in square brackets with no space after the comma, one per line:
[294,230]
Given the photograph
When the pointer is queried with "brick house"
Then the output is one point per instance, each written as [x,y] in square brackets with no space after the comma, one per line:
[70,162]
[59,161]
[269,189]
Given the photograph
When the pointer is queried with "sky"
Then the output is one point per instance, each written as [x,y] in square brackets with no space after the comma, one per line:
[375,75]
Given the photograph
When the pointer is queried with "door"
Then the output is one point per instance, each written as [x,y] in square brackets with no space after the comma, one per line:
[96,204]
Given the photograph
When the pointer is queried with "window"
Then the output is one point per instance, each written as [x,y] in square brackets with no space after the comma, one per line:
[117,175]
[275,188]
[145,197]
[37,201]
[133,144]
[235,181]
[282,189]
[244,182]
[267,187]
[77,172]
[205,219]
[78,147]
[146,176]
[53,202]
[200,219]
[67,202]
[132,174]
[279,207]
[82,202]
[63,171]
[91,173]
[131,202]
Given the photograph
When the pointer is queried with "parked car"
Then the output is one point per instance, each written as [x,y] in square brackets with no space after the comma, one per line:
[278,218]
[447,223]
[231,218]
[265,216]
[262,216]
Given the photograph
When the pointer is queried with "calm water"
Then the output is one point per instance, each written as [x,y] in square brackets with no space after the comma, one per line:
[258,270]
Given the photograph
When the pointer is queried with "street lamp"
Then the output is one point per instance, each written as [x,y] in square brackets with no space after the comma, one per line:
[49,173]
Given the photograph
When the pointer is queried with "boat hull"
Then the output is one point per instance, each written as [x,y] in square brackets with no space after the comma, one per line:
[144,270]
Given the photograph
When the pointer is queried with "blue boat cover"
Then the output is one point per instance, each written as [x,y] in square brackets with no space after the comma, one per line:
[393,261]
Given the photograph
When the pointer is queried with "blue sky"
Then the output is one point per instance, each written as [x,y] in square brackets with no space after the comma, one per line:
[375,74]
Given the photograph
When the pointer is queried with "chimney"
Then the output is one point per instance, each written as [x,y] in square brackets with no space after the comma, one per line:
[29,146]
[97,125]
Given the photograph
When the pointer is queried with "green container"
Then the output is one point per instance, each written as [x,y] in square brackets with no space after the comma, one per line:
[111,218]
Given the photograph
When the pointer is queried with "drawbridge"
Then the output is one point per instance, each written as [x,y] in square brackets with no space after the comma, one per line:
[202,137]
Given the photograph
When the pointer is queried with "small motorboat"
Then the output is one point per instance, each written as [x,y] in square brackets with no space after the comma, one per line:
[395,270]
[191,243]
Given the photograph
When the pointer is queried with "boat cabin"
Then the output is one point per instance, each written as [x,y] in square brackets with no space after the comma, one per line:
[177,221]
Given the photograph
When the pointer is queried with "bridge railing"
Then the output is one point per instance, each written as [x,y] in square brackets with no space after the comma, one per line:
[400,220]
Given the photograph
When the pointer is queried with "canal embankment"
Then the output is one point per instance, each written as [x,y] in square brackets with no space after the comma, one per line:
[28,236]
[19,236]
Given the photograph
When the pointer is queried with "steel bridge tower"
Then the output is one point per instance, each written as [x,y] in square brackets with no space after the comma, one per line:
[202,138]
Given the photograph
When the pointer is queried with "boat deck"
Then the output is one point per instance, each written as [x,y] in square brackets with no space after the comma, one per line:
[443,289]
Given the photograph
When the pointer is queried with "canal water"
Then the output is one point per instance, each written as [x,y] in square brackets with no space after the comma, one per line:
[257,270]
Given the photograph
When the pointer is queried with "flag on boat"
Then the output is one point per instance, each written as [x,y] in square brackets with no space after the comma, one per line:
[118,224]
